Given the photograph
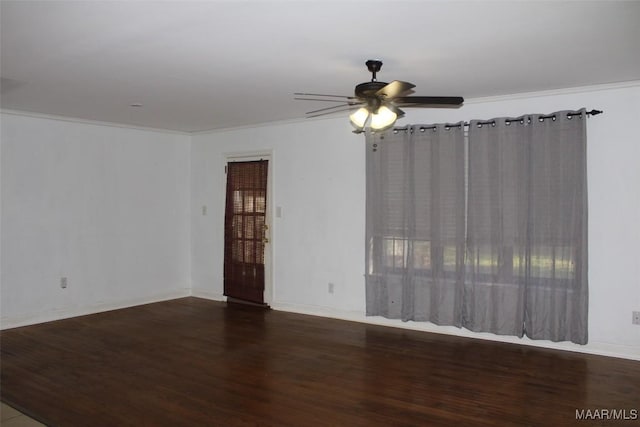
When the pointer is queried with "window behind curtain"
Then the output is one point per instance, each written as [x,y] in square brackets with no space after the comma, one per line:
[508,255]
[415,224]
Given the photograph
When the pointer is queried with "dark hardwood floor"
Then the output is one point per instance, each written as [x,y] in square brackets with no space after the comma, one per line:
[194,362]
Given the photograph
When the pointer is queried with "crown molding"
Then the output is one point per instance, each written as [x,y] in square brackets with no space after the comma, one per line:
[88,122]
[554,92]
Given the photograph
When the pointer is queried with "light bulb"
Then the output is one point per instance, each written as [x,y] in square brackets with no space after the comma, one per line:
[383,119]
[359,118]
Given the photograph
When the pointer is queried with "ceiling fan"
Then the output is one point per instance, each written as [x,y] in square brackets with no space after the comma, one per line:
[377,103]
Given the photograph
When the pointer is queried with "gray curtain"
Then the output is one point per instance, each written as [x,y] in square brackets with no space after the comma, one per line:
[526,264]
[415,224]
[489,235]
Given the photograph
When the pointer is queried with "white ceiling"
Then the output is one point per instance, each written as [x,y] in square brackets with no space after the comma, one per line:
[217,64]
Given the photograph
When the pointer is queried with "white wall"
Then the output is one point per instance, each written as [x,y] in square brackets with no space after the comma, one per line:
[106,207]
[319,181]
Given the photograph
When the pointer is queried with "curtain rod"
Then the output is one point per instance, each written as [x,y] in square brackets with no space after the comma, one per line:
[493,122]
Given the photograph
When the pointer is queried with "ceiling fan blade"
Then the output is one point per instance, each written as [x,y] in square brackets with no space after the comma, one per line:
[350,104]
[351,107]
[320,94]
[395,89]
[321,99]
[426,101]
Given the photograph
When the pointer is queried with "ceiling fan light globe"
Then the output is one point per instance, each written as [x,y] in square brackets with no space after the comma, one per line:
[383,119]
[359,118]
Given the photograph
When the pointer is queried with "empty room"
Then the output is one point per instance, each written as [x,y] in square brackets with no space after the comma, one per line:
[319,213]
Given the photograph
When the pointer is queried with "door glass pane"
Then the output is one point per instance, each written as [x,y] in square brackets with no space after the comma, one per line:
[261,201]
[249,227]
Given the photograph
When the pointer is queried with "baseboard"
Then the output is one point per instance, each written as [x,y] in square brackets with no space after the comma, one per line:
[203,293]
[313,310]
[67,312]
[595,348]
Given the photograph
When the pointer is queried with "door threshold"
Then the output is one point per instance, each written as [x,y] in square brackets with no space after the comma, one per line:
[245,302]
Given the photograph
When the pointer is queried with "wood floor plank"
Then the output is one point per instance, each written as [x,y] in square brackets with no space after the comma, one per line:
[195,362]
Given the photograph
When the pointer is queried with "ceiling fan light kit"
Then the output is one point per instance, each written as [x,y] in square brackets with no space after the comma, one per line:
[377,103]
[379,120]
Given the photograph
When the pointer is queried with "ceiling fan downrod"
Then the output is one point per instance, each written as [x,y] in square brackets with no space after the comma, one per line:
[374,65]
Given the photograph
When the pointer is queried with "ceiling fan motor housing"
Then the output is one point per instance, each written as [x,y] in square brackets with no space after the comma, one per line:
[367,92]
[368,89]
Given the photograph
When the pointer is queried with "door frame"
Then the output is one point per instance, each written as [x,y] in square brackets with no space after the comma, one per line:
[248,156]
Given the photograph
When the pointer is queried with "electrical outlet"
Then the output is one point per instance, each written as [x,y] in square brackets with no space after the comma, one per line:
[330,287]
[636,318]
[63,282]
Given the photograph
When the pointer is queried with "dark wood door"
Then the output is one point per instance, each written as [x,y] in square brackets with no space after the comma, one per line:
[245,230]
